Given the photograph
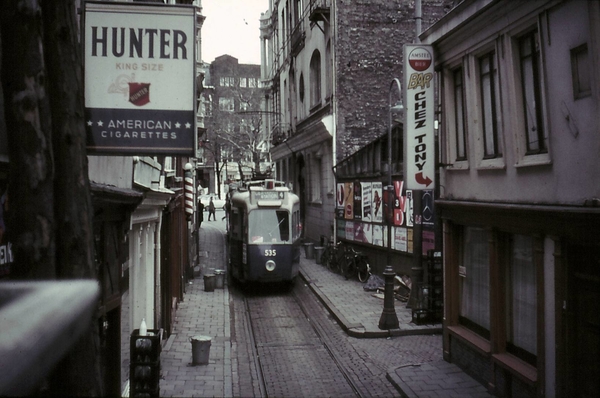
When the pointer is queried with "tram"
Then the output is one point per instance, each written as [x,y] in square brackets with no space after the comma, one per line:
[263,232]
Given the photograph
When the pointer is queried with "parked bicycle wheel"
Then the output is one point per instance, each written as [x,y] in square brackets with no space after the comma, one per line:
[363,270]
[349,271]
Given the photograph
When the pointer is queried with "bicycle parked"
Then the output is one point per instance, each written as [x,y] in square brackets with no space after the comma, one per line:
[356,264]
[331,257]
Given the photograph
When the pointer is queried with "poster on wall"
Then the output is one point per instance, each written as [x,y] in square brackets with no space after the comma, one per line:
[357,200]
[341,228]
[409,236]
[348,201]
[6,255]
[377,234]
[427,212]
[349,230]
[368,232]
[428,241]
[139,78]
[376,206]
[399,203]
[339,200]
[408,206]
[360,232]
[366,200]
[400,239]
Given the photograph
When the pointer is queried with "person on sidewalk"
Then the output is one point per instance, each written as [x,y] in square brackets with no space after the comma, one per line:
[200,213]
[211,210]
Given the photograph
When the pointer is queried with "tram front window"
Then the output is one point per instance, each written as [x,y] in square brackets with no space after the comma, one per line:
[268,226]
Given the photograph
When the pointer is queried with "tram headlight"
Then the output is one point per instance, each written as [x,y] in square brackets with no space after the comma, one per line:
[270,265]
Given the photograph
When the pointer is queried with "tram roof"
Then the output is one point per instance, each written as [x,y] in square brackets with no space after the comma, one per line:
[263,194]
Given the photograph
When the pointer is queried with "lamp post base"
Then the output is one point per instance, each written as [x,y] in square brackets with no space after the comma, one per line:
[389,319]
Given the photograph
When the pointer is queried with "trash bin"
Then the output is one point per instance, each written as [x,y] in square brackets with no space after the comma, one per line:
[219,278]
[209,282]
[309,249]
[319,253]
[200,349]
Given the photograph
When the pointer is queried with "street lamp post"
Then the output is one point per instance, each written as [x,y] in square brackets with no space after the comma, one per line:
[389,319]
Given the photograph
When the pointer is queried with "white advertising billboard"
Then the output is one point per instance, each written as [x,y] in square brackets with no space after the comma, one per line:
[140,78]
[419,109]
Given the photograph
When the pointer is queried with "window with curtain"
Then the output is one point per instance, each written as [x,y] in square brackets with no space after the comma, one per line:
[531,85]
[474,281]
[490,102]
[521,300]
[459,115]
[315,79]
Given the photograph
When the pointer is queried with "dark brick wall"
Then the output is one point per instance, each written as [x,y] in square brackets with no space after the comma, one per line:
[473,363]
[370,37]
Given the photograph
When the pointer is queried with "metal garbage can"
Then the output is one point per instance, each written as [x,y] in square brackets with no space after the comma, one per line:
[219,278]
[209,282]
[309,250]
[319,253]
[200,349]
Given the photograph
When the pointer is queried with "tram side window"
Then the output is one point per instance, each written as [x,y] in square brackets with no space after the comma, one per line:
[296,224]
[236,224]
[268,226]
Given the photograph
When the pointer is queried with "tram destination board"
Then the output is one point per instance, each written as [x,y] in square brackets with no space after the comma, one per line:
[268,195]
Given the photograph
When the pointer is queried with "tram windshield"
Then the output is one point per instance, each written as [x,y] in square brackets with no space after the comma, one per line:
[268,226]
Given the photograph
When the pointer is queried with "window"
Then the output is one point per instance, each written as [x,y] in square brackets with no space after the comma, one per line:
[474,284]
[252,82]
[580,69]
[315,79]
[459,115]
[490,102]
[242,82]
[301,88]
[531,86]
[226,104]
[329,70]
[521,300]
[268,226]
[315,178]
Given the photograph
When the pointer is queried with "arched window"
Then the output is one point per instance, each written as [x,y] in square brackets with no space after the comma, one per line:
[328,71]
[315,79]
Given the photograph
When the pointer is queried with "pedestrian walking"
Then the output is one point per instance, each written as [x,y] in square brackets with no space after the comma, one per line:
[211,210]
[200,213]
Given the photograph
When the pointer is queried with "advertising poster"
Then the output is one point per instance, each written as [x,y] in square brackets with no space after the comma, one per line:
[377,234]
[368,232]
[360,233]
[428,214]
[400,239]
[339,200]
[349,230]
[399,203]
[428,241]
[409,236]
[357,200]
[139,78]
[409,208]
[376,205]
[366,200]
[6,256]
[348,201]
[340,228]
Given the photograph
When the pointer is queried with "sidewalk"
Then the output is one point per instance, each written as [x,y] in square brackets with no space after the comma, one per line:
[356,311]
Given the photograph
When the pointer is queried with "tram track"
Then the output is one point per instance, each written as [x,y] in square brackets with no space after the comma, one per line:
[312,344]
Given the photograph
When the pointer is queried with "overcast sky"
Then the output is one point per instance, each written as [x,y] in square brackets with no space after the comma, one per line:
[232,27]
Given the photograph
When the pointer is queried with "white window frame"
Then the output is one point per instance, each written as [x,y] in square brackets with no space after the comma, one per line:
[450,116]
[515,107]
[476,123]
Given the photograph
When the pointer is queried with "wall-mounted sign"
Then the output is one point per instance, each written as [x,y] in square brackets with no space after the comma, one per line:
[419,105]
[140,78]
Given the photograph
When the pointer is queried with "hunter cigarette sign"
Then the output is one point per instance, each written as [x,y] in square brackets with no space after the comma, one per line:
[419,142]
[140,78]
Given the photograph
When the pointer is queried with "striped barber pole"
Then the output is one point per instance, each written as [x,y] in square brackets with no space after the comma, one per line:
[189,193]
